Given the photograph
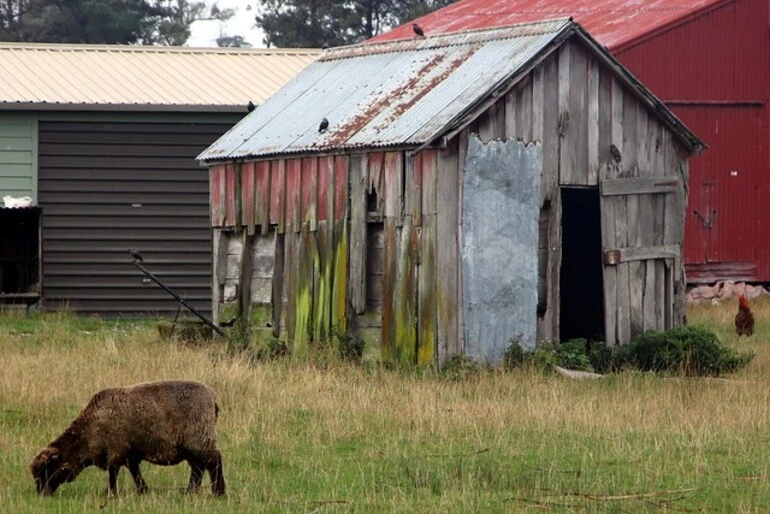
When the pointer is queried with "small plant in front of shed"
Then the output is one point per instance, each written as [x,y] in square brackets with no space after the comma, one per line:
[514,355]
[690,350]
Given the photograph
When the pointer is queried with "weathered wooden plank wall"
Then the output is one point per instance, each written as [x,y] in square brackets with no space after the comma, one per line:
[283,223]
[577,109]
[447,254]
[318,262]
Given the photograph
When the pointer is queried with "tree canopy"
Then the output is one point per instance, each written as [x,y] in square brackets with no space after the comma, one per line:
[98,21]
[325,23]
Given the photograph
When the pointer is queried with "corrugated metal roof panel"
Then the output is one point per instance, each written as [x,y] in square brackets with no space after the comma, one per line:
[47,75]
[614,23]
[403,92]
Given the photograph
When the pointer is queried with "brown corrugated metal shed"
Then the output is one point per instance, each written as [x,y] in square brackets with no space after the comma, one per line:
[115,133]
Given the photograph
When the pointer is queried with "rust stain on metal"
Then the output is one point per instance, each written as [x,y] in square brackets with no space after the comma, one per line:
[427,87]
[342,133]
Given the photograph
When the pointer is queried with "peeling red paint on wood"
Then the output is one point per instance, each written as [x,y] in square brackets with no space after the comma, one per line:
[394,169]
[376,182]
[231,196]
[293,195]
[341,165]
[308,184]
[262,195]
[278,194]
[324,173]
[247,197]
[216,181]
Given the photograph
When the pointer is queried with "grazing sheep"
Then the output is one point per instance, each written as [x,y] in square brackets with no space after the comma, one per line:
[160,422]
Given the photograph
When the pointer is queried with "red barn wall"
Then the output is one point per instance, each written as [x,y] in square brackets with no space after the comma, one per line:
[714,73]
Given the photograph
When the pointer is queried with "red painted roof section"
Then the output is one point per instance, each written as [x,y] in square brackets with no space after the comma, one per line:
[612,23]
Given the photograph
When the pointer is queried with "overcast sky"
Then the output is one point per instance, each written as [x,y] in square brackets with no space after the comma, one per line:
[206,32]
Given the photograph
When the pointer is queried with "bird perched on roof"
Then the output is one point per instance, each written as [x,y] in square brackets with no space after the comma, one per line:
[251,106]
[136,255]
[615,153]
[744,320]
[323,126]
[418,30]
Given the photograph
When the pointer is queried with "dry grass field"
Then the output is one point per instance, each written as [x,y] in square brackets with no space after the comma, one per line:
[334,437]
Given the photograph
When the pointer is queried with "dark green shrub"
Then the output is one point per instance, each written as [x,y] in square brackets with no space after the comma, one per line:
[514,355]
[690,350]
[573,354]
[570,354]
[603,358]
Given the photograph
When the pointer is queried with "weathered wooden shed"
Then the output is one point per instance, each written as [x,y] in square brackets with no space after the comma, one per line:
[471,189]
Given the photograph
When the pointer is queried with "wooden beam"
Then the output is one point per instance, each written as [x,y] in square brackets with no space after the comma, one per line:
[619,255]
[357,283]
[639,186]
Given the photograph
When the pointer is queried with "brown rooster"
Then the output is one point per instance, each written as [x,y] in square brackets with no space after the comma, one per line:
[744,320]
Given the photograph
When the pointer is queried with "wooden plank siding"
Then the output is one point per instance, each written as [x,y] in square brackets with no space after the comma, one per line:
[577,109]
[376,263]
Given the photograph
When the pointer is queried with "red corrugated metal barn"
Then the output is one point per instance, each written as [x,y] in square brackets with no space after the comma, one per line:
[709,61]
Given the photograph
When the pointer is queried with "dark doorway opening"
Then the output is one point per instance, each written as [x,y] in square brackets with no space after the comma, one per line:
[582,283]
[19,254]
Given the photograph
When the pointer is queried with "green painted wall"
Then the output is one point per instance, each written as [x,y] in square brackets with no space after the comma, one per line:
[18,155]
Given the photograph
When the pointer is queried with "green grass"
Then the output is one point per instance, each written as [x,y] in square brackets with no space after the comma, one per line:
[298,437]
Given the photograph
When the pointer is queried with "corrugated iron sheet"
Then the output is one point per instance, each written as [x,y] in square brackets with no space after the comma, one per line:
[397,93]
[406,92]
[614,24]
[51,75]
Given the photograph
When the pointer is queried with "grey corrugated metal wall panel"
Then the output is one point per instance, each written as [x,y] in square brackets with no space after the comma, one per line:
[108,187]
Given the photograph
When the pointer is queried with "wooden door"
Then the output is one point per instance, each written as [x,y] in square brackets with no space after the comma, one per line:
[642,230]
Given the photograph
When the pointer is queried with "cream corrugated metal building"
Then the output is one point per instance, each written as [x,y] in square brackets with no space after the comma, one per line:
[103,138]
[143,77]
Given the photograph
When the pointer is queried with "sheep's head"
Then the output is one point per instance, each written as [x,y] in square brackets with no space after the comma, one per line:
[50,469]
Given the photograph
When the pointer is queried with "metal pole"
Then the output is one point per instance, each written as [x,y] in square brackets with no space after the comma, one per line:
[172,293]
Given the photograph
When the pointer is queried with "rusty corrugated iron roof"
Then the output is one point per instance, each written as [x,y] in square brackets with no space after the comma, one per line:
[405,92]
[614,24]
[63,76]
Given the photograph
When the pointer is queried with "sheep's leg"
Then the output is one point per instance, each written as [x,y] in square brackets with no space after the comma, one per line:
[112,482]
[214,467]
[133,468]
[196,476]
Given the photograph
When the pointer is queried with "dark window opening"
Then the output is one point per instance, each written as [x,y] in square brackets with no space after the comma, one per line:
[582,282]
[20,251]
[372,205]
[375,265]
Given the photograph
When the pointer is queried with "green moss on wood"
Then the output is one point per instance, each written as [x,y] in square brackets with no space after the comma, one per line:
[260,314]
[228,312]
[340,280]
